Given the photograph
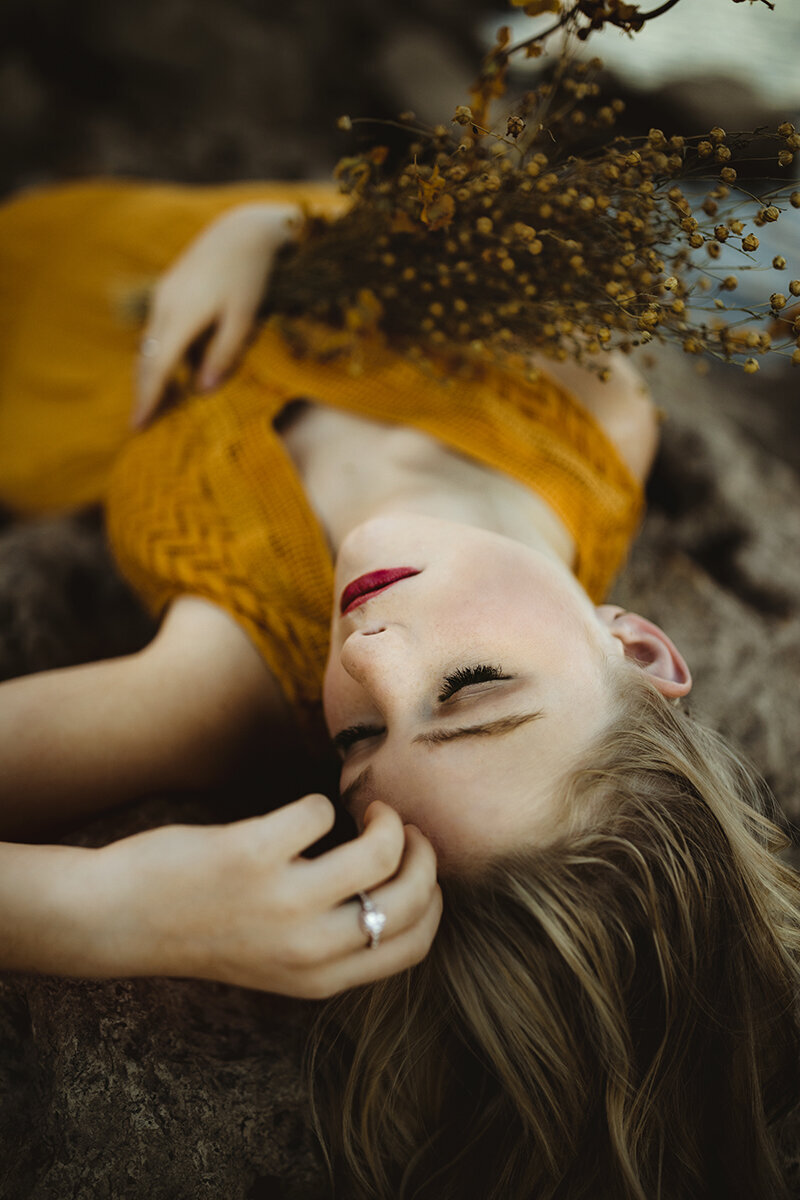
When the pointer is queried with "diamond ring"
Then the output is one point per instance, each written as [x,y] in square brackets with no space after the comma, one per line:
[371,920]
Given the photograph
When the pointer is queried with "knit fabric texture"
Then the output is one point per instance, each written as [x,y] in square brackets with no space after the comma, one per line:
[207,501]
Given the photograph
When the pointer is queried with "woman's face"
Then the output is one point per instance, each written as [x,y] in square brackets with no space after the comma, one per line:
[462,694]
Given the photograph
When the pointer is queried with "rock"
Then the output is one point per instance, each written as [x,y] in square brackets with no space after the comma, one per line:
[166,1089]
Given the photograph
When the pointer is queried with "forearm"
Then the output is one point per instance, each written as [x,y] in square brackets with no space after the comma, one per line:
[92,914]
[46,907]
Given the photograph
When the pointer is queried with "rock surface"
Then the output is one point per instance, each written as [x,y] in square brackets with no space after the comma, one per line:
[170,1089]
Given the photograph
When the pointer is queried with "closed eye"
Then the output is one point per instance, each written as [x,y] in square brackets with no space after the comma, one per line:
[348,737]
[465,676]
[462,677]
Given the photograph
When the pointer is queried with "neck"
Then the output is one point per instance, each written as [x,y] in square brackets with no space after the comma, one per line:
[525,519]
[354,469]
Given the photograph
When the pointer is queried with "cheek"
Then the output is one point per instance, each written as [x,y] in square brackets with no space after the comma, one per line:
[438,798]
[332,698]
[344,701]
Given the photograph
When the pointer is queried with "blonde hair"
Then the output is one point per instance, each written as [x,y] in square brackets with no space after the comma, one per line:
[610,1015]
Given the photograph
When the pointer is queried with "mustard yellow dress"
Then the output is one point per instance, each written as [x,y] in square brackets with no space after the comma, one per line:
[207,501]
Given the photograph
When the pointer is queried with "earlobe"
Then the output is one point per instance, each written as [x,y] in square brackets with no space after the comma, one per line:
[647,645]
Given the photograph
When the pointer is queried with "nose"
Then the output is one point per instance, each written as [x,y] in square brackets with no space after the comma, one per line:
[371,656]
[371,630]
[361,648]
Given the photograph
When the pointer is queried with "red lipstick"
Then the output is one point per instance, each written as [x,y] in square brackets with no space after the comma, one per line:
[367,586]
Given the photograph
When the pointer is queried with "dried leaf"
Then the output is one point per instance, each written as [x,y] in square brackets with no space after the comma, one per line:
[429,192]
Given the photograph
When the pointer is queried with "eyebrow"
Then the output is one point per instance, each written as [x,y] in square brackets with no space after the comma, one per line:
[484,729]
[438,737]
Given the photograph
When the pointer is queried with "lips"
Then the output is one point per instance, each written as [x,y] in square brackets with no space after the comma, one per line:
[367,586]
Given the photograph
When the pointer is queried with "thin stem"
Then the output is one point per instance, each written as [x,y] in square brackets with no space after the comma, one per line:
[576,9]
[407,128]
[656,12]
[540,37]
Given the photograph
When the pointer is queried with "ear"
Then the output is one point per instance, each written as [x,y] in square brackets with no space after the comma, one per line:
[646,644]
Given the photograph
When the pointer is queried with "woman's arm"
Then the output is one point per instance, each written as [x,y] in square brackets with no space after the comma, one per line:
[175,715]
[236,903]
[215,286]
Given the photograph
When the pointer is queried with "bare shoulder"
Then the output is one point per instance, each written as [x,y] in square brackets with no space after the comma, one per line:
[622,405]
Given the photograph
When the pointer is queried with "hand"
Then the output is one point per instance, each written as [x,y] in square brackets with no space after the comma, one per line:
[217,283]
[237,903]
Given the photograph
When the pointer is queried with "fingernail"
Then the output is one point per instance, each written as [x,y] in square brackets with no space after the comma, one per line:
[208,381]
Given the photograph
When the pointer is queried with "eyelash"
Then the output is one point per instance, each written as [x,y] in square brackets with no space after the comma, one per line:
[460,678]
[464,676]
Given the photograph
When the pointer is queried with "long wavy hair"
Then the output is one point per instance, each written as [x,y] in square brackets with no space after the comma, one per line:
[612,1015]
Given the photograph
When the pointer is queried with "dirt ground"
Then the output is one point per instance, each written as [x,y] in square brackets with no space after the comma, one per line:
[173,1089]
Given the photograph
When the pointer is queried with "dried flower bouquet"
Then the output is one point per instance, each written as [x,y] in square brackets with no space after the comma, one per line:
[488,239]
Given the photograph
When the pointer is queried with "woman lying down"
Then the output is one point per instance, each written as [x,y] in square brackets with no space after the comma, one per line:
[564,953]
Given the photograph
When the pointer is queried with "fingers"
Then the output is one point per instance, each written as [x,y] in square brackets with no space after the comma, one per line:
[291,829]
[362,864]
[255,915]
[390,956]
[223,349]
[405,901]
[161,349]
